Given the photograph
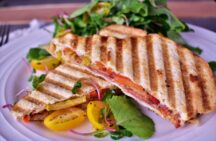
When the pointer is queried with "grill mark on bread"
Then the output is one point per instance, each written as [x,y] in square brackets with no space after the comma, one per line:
[205,99]
[62,85]
[169,76]
[143,63]
[103,49]
[76,69]
[119,63]
[75,42]
[33,100]
[19,109]
[152,68]
[135,60]
[88,46]
[66,76]
[52,94]
[84,74]
[189,105]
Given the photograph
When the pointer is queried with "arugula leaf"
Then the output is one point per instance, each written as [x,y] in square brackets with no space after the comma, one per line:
[36,80]
[37,54]
[76,86]
[84,9]
[212,64]
[129,117]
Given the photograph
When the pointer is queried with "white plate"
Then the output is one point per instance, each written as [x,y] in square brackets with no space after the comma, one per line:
[13,77]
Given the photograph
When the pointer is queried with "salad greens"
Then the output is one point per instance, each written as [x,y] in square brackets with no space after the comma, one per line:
[129,117]
[150,15]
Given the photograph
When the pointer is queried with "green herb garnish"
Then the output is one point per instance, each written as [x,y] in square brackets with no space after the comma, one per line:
[37,54]
[36,80]
[212,64]
[76,86]
[129,117]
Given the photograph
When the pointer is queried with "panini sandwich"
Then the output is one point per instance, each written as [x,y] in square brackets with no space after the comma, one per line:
[56,88]
[161,75]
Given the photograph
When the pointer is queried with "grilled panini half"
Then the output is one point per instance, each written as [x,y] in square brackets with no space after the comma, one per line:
[56,87]
[155,71]
[122,31]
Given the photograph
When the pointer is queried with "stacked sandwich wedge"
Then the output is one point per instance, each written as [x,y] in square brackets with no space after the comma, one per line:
[159,74]
[55,89]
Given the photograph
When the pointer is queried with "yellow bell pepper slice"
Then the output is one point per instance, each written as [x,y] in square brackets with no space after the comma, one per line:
[66,104]
[49,63]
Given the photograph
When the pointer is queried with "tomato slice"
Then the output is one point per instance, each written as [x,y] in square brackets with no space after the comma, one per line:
[49,63]
[65,119]
[94,113]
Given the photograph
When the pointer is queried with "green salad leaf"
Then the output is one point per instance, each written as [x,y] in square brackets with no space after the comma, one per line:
[37,54]
[129,117]
[84,9]
[150,15]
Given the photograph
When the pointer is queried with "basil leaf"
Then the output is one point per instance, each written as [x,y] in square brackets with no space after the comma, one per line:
[76,86]
[37,54]
[212,64]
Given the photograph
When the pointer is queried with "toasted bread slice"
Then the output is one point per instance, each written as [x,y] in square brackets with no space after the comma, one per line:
[56,87]
[122,31]
[167,78]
